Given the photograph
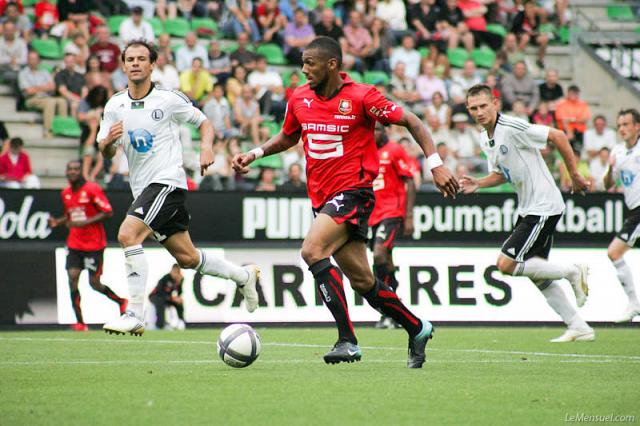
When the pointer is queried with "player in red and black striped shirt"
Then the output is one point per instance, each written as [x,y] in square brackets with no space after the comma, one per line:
[335,118]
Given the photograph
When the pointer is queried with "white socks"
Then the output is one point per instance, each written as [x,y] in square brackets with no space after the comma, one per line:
[218,267]
[137,270]
[539,269]
[626,279]
[557,299]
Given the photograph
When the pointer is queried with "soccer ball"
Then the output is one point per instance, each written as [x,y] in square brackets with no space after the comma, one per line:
[239,345]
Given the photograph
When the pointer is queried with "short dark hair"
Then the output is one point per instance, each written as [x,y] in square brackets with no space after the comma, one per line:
[635,115]
[478,89]
[75,160]
[260,57]
[599,117]
[16,143]
[328,46]
[153,52]
[574,88]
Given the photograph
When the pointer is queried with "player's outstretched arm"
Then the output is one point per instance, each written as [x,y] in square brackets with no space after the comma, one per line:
[54,222]
[99,217]
[470,184]
[442,177]
[106,145]
[278,143]
[410,201]
[608,179]
[559,139]
[206,145]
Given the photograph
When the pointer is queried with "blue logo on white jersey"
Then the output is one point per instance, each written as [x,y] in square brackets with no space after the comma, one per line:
[141,140]
[627,177]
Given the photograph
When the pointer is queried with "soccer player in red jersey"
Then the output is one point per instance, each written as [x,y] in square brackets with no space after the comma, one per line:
[335,118]
[85,208]
[395,193]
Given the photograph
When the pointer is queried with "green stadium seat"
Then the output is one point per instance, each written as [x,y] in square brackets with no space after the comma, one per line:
[229,47]
[356,76]
[497,29]
[157,25]
[66,126]
[620,13]
[273,127]
[564,33]
[114,23]
[272,162]
[424,52]
[457,57]
[638,30]
[177,27]
[29,3]
[46,67]
[375,77]
[204,26]
[483,57]
[47,48]
[547,28]
[195,133]
[310,4]
[273,53]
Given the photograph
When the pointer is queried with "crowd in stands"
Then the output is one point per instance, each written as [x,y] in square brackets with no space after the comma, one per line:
[422,54]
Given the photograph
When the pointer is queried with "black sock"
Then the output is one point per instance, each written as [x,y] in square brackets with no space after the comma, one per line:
[381,298]
[75,302]
[329,283]
[387,275]
[109,293]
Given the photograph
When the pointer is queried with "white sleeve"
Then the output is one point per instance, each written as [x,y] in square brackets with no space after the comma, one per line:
[535,136]
[183,111]
[108,119]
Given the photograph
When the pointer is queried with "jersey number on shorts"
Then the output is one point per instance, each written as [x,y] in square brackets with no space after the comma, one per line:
[323,146]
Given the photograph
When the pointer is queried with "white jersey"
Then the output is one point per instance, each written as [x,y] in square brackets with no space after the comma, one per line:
[514,152]
[627,169]
[151,135]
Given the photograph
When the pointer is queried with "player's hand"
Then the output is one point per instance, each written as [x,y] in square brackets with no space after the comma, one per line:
[579,184]
[115,132]
[445,181]
[206,159]
[408,226]
[53,222]
[469,184]
[241,162]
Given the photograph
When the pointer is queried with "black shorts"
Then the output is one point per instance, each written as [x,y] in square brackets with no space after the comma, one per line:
[630,230]
[353,206]
[89,260]
[385,232]
[531,237]
[161,208]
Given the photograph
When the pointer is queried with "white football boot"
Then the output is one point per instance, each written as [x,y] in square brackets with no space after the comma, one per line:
[630,312]
[126,323]
[580,285]
[249,290]
[576,335]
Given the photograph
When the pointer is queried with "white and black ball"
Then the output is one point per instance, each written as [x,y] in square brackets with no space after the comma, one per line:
[239,345]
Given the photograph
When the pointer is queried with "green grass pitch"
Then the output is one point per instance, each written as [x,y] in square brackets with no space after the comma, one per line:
[476,376]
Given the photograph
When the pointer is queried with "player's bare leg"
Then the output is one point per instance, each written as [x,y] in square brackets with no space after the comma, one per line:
[132,233]
[96,284]
[188,257]
[539,269]
[74,276]
[325,236]
[616,252]
[352,259]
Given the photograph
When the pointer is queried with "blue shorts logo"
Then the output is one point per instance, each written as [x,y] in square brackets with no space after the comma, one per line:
[141,140]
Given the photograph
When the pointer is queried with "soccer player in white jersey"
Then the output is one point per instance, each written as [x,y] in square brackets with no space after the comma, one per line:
[625,166]
[144,119]
[513,149]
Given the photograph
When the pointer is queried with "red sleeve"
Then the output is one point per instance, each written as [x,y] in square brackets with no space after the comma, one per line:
[3,164]
[291,124]
[100,200]
[402,162]
[379,108]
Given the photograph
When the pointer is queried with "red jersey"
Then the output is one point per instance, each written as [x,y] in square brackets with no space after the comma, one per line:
[389,186]
[82,204]
[337,135]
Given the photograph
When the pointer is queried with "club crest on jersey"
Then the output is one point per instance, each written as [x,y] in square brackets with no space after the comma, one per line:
[157,114]
[504,149]
[344,107]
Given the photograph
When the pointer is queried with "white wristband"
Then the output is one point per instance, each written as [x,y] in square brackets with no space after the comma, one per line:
[257,152]
[434,161]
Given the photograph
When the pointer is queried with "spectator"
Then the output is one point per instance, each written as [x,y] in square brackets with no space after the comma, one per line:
[598,167]
[79,48]
[96,75]
[359,43]
[519,110]
[164,46]
[550,90]
[22,24]
[403,88]
[600,136]
[165,74]
[288,8]
[428,83]
[46,16]
[492,81]
[474,13]
[218,111]
[526,26]
[440,109]
[70,84]
[270,21]
[119,171]
[572,115]
[297,35]
[439,132]
[119,80]
[107,52]
[89,114]
[462,82]
[465,143]
[519,86]
[111,7]
[235,83]
[544,116]
[407,54]
[242,56]
[4,3]
[247,114]
[219,62]
[238,18]
[38,88]
[187,9]
[191,50]
[4,138]
[15,168]
[147,8]
[423,19]
[443,68]
[13,54]
[266,180]
[512,53]
[329,27]
[583,169]
[196,82]
[394,13]
[135,28]
[269,89]
[75,15]
[168,293]
[294,82]
[451,24]
[219,176]
[294,182]
[383,43]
